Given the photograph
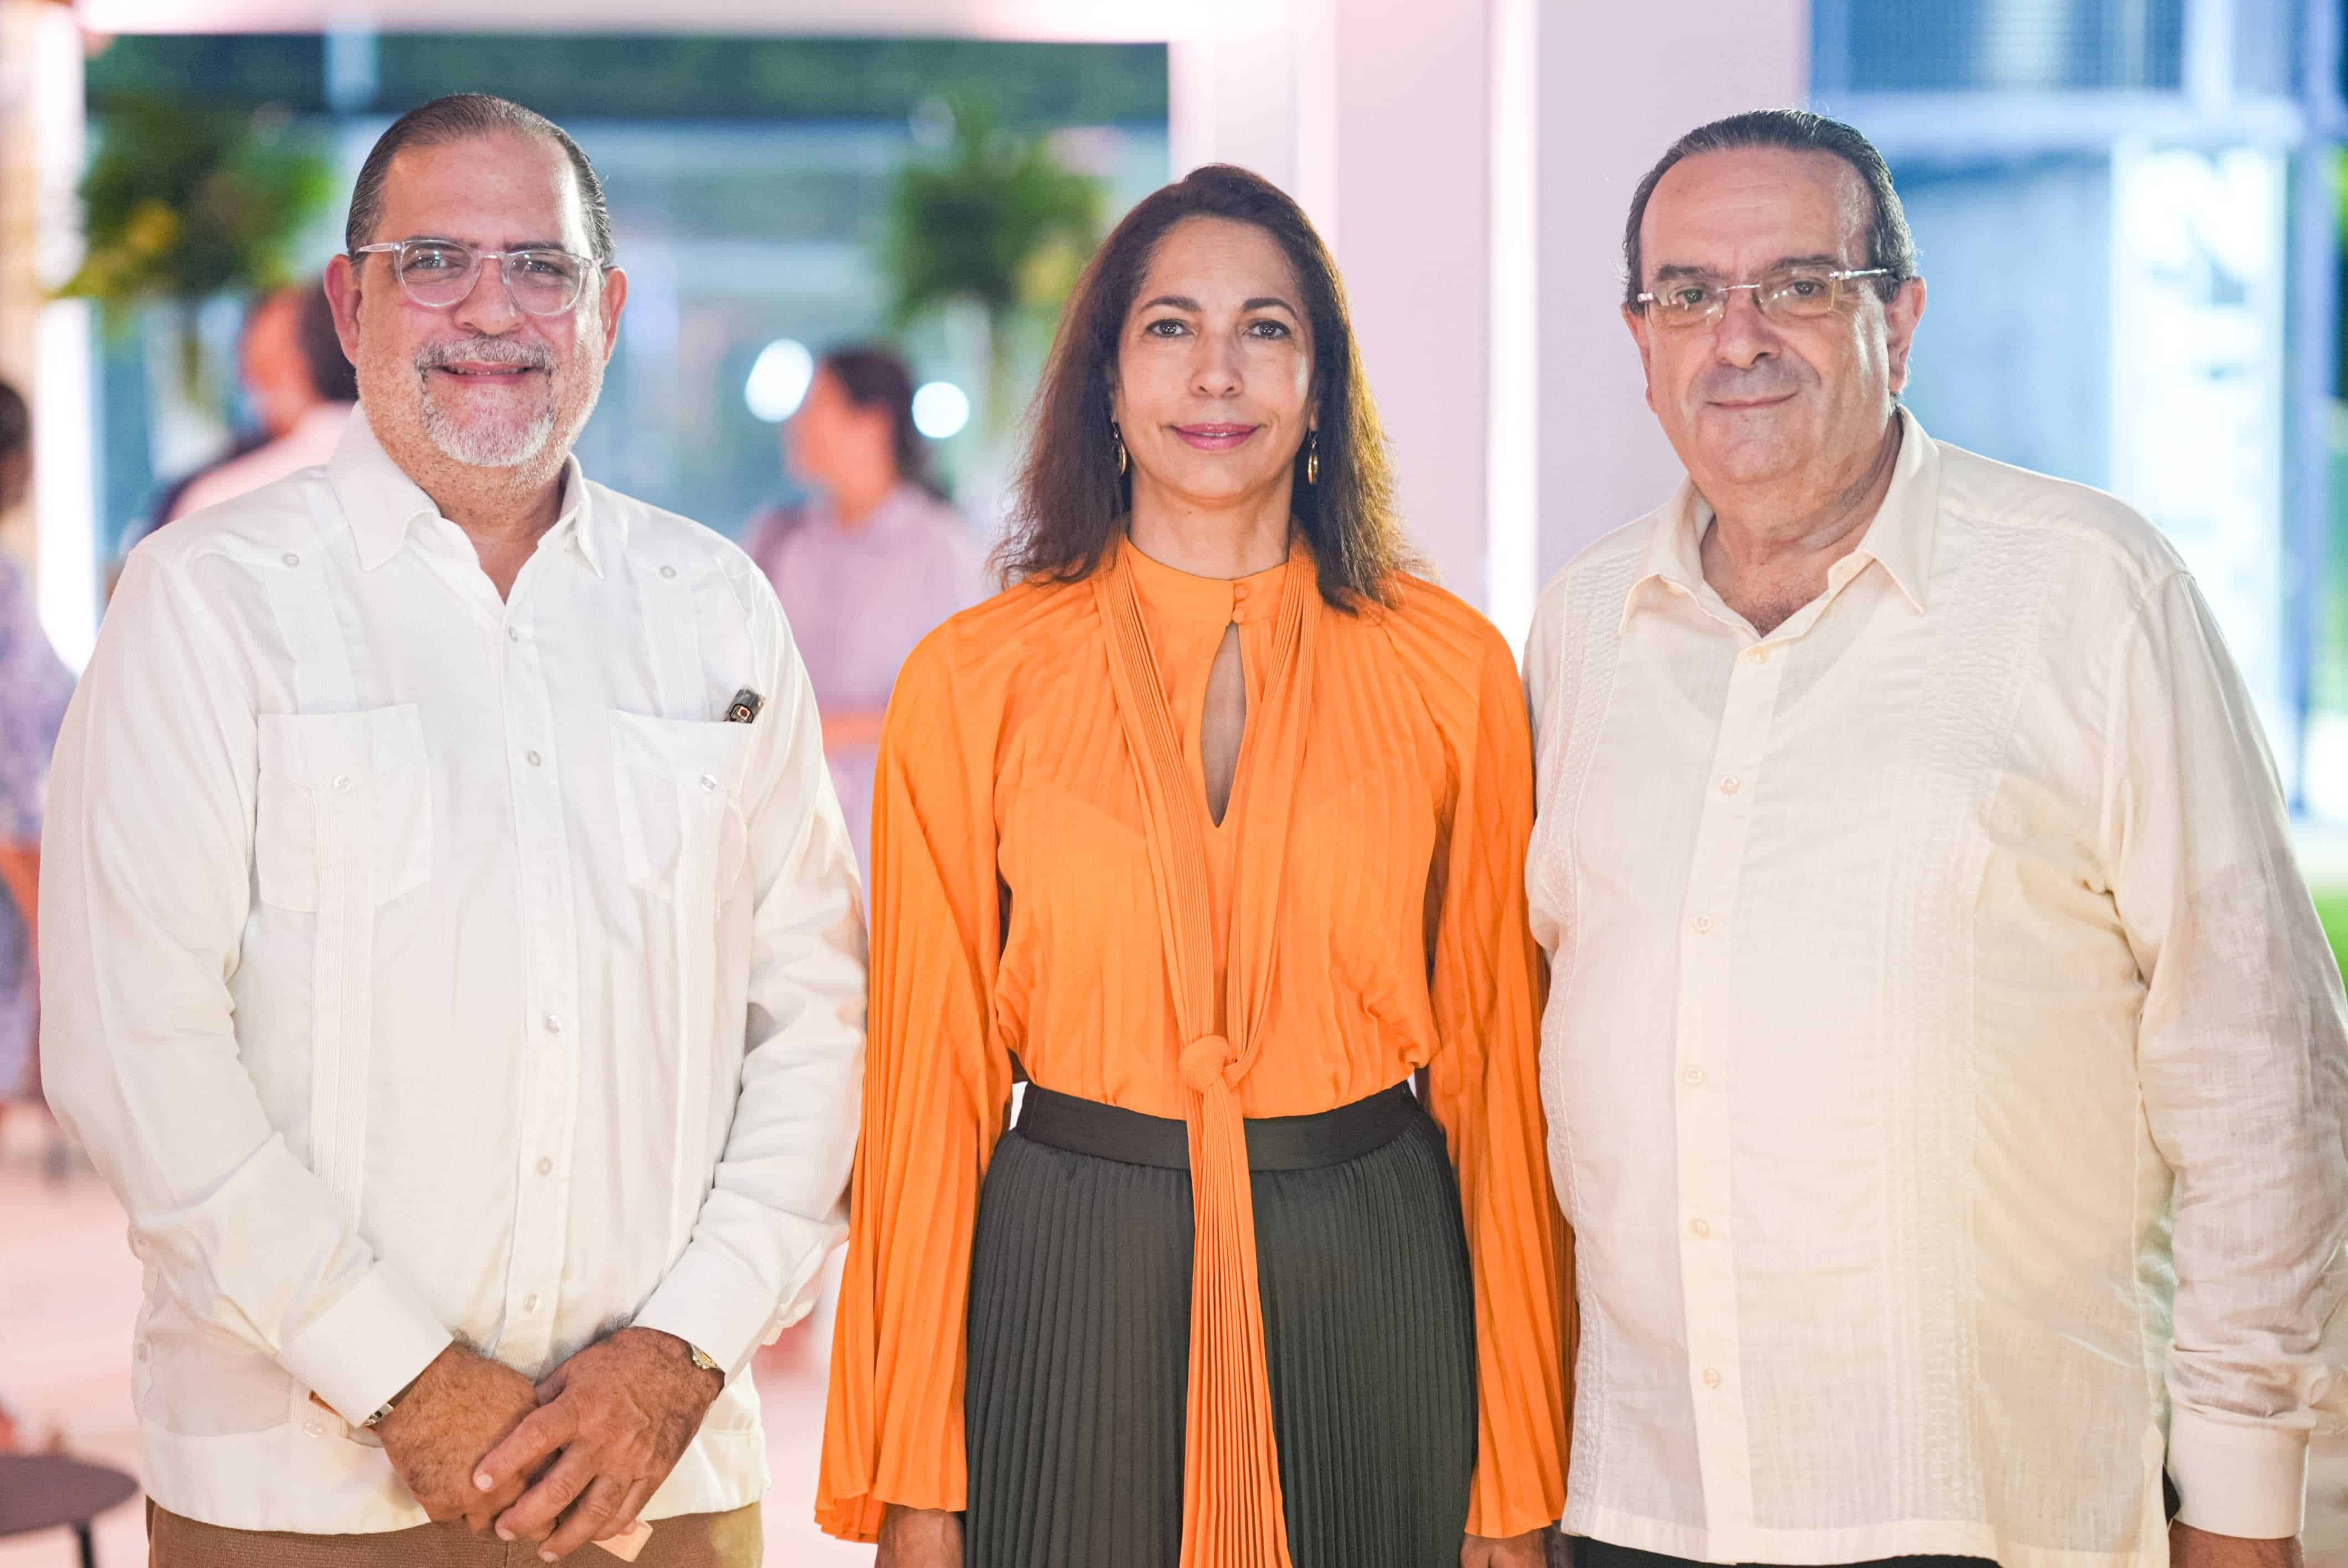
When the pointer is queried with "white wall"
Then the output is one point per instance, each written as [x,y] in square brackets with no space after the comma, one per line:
[1408,150]
[1611,102]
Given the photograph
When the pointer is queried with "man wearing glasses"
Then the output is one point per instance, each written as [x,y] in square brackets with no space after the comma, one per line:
[1943,1062]
[454,957]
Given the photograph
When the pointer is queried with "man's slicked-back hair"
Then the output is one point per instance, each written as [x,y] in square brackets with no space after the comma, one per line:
[460,116]
[1890,245]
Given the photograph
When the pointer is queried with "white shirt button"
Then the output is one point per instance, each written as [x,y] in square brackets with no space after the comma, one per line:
[1758,655]
[530,1303]
[514,634]
[668,571]
[1711,1377]
[341,783]
[553,1024]
[546,1167]
[530,757]
[1729,784]
[709,781]
[1703,924]
[315,1428]
[1698,1229]
[290,558]
[1695,1076]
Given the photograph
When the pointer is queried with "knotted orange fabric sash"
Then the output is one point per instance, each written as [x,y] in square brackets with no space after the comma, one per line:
[1231,1509]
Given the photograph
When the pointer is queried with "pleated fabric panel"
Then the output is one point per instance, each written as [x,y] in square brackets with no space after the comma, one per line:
[1078,1335]
[1370,1321]
[1079,1362]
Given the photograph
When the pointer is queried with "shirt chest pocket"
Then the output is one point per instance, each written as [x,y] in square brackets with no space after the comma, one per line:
[344,809]
[679,781]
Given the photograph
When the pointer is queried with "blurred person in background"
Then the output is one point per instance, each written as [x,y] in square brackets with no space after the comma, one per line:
[299,388]
[465,990]
[1228,1293]
[871,563]
[1946,1068]
[35,687]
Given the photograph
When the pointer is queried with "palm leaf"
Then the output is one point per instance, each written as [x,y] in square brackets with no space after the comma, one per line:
[974,225]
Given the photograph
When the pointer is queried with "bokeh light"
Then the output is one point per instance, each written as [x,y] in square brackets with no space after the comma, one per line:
[939,410]
[779,380]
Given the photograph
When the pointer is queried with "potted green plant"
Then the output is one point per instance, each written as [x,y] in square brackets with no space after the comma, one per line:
[184,203]
[999,224]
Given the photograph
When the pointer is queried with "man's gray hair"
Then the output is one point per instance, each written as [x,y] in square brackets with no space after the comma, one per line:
[460,116]
[1890,245]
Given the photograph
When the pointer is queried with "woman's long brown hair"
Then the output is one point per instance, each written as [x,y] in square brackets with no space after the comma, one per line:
[1070,496]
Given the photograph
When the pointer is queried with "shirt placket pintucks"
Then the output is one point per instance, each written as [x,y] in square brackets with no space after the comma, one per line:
[1709,1019]
[553,1026]
[1703,1078]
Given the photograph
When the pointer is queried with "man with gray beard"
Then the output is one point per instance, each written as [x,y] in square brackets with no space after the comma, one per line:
[454,959]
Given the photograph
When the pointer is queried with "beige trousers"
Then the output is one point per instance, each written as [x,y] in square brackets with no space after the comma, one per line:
[735,1539]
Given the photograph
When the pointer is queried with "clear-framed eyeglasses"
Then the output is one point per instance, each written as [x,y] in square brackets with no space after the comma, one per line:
[438,274]
[1784,294]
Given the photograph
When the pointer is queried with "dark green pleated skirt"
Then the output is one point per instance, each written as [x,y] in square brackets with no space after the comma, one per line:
[1079,1335]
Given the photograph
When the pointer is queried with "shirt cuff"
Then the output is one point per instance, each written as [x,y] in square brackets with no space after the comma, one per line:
[368,1345]
[2237,1479]
[711,1301]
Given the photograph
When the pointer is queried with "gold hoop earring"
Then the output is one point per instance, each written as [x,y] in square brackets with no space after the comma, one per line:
[1313,457]
[1117,437]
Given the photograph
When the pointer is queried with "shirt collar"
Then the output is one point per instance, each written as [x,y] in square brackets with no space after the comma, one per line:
[1901,539]
[1906,527]
[382,502]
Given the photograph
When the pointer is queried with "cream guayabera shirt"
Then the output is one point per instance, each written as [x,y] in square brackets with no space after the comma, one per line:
[421,964]
[1943,1064]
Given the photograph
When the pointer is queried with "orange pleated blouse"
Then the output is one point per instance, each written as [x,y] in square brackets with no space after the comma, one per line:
[1049,889]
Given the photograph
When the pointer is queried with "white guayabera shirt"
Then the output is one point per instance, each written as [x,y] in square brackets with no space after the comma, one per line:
[1943,1064]
[421,964]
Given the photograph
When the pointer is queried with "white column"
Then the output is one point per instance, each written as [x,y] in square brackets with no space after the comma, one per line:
[44,347]
[1512,435]
[1403,137]
[1613,95]
[1374,115]
[1231,89]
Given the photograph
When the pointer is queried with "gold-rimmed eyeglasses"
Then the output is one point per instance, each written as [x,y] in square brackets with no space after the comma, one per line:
[1785,293]
[438,274]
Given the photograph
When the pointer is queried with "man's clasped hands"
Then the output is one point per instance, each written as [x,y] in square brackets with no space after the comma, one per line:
[565,1461]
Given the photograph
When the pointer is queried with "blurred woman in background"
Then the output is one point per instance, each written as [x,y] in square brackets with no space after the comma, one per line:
[870,564]
[35,686]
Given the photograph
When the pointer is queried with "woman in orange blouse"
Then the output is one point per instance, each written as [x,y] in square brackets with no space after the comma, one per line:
[1213,826]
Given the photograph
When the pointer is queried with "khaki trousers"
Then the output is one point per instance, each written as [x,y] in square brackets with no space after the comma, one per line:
[735,1539]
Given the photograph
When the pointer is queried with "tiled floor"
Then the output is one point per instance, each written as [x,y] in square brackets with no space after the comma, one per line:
[70,1293]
